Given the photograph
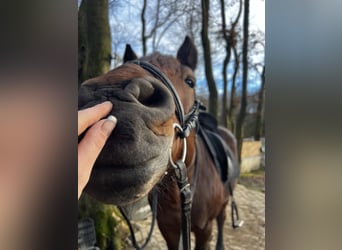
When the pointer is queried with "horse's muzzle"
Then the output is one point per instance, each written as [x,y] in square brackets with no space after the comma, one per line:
[136,154]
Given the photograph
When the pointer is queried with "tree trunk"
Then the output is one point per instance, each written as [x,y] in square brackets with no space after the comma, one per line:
[231,41]
[107,221]
[260,108]
[207,59]
[224,113]
[143,30]
[225,66]
[232,106]
[94,46]
[154,34]
[243,107]
[94,41]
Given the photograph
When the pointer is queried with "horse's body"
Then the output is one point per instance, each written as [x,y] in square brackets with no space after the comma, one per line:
[136,156]
[209,201]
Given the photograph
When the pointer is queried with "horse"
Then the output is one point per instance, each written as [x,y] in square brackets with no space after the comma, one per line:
[138,155]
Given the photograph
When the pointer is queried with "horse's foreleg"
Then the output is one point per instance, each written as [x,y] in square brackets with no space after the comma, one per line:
[171,236]
[203,236]
[169,224]
[220,219]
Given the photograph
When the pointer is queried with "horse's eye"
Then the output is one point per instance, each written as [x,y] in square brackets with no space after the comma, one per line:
[190,82]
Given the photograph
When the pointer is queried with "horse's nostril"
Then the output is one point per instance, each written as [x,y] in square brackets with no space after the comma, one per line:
[156,99]
[148,92]
[139,88]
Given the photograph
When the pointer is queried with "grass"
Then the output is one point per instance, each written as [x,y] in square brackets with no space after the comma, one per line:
[254,180]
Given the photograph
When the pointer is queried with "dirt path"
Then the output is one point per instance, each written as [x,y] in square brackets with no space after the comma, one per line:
[251,236]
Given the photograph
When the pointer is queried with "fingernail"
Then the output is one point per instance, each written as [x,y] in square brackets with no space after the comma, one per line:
[109,125]
[106,103]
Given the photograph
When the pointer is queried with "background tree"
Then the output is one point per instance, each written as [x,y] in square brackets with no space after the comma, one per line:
[243,107]
[230,39]
[94,39]
[94,47]
[233,99]
[164,16]
[256,44]
[144,37]
[213,96]
[260,109]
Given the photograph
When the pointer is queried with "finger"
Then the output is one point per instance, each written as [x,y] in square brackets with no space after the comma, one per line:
[90,147]
[89,116]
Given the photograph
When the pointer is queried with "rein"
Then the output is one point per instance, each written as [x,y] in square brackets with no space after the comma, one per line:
[154,215]
[187,122]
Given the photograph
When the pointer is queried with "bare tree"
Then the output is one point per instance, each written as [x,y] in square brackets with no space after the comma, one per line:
[165,15]
[243,107]
[233,101]
[230,38]
[256,44]
[213,97]
[260,109]
[143,30]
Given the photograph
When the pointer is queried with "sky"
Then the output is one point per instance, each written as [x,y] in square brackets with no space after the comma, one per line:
[130,15]
[126,28]
[257,14]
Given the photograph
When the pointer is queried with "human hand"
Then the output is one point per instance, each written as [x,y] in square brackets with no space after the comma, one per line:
[95,138]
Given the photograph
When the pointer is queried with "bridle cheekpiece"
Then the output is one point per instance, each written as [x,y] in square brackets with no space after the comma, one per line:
[187,122]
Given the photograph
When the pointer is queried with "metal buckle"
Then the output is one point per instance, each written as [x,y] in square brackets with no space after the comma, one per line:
[177,126]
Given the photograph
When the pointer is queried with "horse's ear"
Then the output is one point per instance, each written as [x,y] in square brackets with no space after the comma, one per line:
[129,54]
[187,53]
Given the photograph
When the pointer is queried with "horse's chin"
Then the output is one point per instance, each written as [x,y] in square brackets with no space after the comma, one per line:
[122,185]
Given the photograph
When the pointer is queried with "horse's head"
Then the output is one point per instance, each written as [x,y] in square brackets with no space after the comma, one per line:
[136,155]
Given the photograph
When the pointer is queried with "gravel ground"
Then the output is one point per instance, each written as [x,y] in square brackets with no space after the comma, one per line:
[251,236]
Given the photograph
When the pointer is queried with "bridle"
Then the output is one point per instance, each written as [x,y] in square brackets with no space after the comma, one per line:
[187,122]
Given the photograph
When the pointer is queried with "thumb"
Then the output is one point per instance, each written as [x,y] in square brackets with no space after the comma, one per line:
[91,145]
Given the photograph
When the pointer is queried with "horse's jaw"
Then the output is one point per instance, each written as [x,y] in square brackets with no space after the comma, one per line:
[124,184]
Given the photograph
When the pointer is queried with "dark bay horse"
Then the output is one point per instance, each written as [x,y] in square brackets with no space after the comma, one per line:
[136,157]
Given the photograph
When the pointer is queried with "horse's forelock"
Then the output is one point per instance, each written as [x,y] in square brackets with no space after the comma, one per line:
[125,72]
[168,64]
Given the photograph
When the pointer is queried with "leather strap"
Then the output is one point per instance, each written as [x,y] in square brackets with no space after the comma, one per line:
[187,123]
[186,201]
[158,74]
[154,215]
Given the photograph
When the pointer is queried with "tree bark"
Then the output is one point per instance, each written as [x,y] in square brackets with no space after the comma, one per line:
[108,227]
[94,47]
[224,113]
[225,66]
[230,38]
[243,107]
[232,105]
[94,40]
[143,30]
[260,108]
[207,59]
